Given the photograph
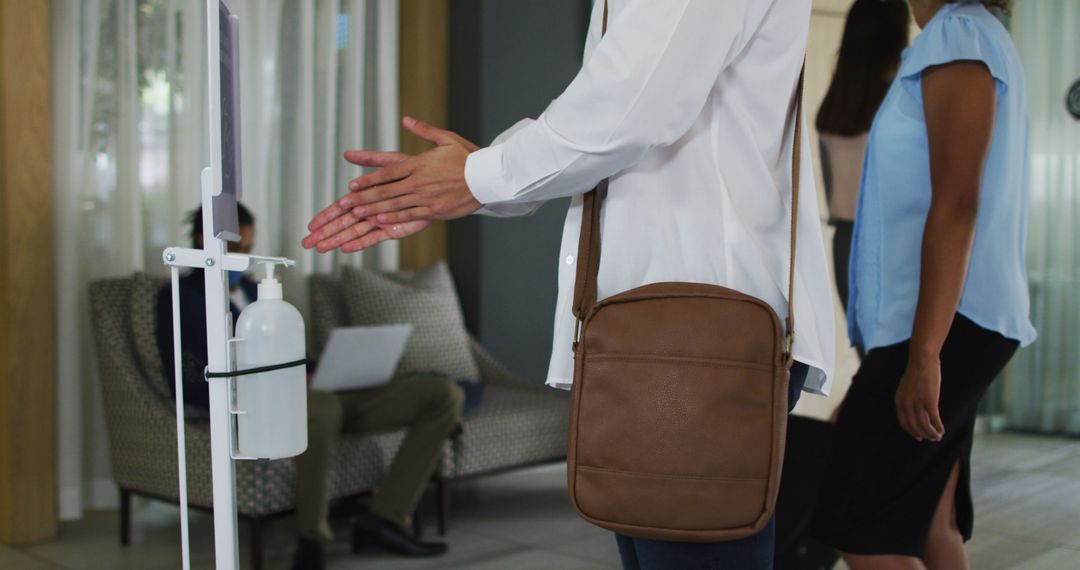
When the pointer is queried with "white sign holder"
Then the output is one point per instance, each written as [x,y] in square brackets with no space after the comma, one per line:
[219,225]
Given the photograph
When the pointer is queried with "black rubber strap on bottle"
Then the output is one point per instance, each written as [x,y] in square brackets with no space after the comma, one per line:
[256,370]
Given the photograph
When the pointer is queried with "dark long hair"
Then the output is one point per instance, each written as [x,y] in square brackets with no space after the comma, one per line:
[875,33]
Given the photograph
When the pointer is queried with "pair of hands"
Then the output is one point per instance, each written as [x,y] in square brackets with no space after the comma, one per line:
[402,197]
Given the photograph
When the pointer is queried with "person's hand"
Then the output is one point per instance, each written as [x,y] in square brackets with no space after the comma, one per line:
[335,228]
[917,399]
[399,199]
[429,186]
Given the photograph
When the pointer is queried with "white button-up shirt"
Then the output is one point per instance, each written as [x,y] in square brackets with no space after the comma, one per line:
[687,106]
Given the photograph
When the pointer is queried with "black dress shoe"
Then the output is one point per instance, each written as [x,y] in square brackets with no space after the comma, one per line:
[371,530]
[309,555]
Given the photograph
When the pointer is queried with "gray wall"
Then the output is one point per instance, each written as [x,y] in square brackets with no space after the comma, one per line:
[508,60]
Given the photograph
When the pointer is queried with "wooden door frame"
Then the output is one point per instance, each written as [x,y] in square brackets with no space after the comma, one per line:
[27,369]
[423,81]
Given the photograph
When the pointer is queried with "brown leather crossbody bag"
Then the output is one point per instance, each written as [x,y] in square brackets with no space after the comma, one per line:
[679,405]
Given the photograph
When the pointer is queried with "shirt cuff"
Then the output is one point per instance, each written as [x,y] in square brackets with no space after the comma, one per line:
[484,174]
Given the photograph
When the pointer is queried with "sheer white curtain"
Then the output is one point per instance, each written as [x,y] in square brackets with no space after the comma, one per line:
[129,139]
[1043,391]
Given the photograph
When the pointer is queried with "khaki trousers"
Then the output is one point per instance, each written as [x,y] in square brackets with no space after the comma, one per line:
[429,408]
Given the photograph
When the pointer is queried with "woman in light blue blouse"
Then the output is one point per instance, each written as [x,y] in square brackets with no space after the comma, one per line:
[938,291]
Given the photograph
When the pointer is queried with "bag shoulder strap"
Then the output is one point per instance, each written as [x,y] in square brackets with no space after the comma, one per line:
[588,260]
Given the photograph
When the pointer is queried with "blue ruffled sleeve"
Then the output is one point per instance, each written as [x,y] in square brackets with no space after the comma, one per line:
[955,37]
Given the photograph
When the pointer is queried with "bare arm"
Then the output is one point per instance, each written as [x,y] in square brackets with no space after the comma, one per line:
[959,104]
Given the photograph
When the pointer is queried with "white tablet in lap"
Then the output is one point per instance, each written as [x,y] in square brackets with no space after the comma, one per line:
[361,357]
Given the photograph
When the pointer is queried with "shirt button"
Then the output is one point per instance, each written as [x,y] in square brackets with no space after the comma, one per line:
[569,260]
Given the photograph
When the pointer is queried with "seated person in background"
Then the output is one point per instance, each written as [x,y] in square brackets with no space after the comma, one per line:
[428,407]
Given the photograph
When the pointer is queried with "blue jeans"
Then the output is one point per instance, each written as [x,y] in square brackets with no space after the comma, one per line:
[751,553]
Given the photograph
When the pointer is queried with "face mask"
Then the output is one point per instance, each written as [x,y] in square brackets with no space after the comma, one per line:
[234,279]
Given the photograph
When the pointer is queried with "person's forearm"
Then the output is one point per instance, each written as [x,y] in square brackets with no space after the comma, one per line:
[947,241]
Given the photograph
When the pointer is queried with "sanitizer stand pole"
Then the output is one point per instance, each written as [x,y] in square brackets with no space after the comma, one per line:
[218,317]
[181,440]
[214,261]
[218,332]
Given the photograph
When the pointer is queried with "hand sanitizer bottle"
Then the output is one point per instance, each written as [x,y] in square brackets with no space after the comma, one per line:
[273,405]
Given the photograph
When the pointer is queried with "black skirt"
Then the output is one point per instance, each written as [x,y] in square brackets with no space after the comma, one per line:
[882,486]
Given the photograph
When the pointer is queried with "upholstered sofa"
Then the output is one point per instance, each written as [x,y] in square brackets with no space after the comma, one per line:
[516,425]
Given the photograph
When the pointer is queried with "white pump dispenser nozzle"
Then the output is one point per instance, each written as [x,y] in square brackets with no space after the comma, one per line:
[269,288]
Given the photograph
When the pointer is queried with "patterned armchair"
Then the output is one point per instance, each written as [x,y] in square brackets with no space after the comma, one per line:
[517,424]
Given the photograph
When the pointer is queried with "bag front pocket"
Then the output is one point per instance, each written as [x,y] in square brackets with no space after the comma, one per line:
[685,441]
[684,417]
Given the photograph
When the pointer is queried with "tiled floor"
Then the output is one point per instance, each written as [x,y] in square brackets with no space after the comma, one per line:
[1027,501]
